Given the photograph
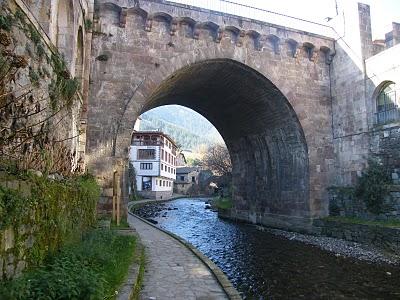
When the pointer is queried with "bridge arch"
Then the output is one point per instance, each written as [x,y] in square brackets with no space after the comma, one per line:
[126,83]
[261,129]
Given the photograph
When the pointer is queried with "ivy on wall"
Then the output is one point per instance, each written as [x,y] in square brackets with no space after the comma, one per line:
[37,97]
[55,212]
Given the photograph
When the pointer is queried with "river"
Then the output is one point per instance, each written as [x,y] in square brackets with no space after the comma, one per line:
[265,266]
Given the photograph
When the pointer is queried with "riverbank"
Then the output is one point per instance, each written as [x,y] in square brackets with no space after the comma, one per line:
[339,247]
[259,263]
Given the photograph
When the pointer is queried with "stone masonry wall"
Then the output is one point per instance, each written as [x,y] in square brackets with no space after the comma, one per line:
[378,236]
[40,101]
[270,91]
[343,203]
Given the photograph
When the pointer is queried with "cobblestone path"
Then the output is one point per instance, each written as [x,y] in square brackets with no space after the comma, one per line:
[172,270]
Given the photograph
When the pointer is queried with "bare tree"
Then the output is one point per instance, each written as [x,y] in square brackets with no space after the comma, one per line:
[217,160]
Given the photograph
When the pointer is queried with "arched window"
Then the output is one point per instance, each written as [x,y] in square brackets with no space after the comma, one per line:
[387,104]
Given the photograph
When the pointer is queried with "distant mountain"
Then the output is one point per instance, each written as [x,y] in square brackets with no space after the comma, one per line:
[188,128]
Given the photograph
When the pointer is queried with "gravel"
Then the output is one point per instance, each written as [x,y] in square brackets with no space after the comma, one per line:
[339,247]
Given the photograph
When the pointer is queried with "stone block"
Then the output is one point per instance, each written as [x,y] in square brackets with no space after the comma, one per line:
[13,184]
[108,192]
[21,265]
[29,241]
[25,189]
[9,271]
[8,239]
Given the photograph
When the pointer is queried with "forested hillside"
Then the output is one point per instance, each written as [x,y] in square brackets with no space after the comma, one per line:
[189,129]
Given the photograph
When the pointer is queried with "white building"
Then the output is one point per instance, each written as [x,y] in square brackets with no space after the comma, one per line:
[153,155]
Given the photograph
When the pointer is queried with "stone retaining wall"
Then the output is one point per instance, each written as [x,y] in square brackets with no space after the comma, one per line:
[378,236]
[38,215]
[343,203]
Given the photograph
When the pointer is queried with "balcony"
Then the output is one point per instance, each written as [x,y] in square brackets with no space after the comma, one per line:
[387,116]
[147,143]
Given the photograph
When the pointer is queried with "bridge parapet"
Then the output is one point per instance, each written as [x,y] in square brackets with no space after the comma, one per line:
[201,24]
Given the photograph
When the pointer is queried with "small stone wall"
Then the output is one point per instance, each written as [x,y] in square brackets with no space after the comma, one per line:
[343,203]
[378,236]
[37,215]
[159,195]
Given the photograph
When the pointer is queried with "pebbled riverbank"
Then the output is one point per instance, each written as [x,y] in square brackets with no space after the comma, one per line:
[339,247]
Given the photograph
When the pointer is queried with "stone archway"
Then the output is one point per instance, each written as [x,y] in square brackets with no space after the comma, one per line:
[265,139]
[139,65]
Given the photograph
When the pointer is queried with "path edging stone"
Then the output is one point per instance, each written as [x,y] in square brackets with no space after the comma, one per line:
[222,279]
[127,289]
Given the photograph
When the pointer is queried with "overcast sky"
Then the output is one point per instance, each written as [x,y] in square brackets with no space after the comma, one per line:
[383,12]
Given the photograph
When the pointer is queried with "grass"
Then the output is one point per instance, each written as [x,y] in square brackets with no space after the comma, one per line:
[123,224]
[353,220]
[222,203]
[91,269]
[139,281]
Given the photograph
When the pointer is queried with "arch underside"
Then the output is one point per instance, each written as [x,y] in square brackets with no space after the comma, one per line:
[264,137]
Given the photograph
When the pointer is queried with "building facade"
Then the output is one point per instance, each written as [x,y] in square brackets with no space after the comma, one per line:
[153,155]
[187,180]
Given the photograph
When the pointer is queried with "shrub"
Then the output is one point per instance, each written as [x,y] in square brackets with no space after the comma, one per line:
[6,22]
[91,269]
[372,187]
[58,210]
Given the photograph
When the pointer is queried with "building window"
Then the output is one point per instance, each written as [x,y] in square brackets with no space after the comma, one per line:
[387,104]
[146,183]
[193,179]
[146,154]
[156,181]
[162,167]
[182,178]
[146,166]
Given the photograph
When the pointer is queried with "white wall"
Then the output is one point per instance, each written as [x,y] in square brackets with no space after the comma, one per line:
[163,172]
[136,163]
[160,188]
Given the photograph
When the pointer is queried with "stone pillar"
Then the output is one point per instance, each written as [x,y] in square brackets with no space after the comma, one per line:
[364,16]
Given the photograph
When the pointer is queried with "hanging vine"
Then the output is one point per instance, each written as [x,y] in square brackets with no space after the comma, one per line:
[33,115]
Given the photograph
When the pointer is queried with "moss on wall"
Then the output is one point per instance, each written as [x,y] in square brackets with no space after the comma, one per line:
[38,215]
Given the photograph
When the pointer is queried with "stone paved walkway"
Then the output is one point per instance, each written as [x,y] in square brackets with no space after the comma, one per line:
[172,270]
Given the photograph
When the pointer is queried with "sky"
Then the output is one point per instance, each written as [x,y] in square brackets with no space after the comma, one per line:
[383,12]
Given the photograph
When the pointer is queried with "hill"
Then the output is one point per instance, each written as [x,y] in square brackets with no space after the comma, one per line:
[188,128]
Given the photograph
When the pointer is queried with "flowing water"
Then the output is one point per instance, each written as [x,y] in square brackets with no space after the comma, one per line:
[264,266]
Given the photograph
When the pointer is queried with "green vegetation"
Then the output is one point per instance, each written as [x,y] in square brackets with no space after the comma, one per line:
[189,129]
[6,22]
[354,220]
[91,269]
[372,187]
[52,212]
[40,50]
[88,24]
[63,88]
[139,281]
[34,77]
[33,34]
[123,224]
[222,203]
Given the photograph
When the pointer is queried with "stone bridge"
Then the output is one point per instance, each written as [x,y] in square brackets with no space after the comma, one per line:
[265,87]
